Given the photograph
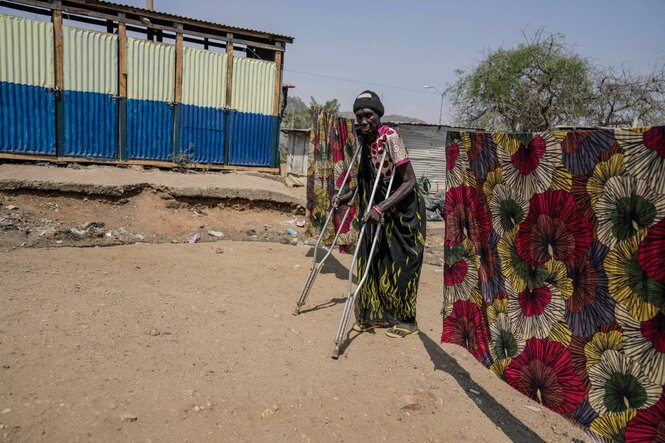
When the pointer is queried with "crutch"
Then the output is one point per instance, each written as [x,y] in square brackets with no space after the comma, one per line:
[316,267]
[351,298]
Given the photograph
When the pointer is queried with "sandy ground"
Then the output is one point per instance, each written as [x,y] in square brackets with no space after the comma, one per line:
[113,327]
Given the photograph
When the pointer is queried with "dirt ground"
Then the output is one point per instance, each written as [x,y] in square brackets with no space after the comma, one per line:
[158,339]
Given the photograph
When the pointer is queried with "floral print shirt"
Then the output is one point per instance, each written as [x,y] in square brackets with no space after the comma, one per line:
[388,139]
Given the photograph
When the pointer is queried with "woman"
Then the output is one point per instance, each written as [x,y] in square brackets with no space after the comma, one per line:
[388,296]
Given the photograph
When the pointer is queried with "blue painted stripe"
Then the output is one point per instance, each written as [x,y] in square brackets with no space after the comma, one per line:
[27,119]
[202,133]
[253,139]
[149,130]
[90,125]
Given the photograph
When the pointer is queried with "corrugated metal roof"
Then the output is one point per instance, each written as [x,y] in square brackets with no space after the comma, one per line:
[26,52]
[179,17]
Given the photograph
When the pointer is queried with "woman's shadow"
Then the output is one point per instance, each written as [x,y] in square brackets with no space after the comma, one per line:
[330,266]
[499,415]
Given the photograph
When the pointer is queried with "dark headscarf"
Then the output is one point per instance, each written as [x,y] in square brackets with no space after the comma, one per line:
[369,99]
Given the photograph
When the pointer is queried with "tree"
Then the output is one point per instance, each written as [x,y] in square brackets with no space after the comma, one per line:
[624,98]
[298,115]
[542,83]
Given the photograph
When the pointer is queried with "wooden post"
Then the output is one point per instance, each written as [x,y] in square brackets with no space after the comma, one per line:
[59,46]
[275,107]
[229,97]
[59,76]
[229,71]
[122,89]
[278,82]
[178,65]
[178,91]
[122,59]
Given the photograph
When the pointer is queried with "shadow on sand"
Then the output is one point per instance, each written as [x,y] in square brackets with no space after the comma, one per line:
[499,415]
[331,266]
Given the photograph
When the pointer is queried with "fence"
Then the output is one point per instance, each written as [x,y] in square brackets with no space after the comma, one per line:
[79,94]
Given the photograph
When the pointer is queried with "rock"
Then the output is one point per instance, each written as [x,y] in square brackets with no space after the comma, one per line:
[300,223]
[197,408]
[128,417]
[294,241]
[251,232]
[12,207]
[219,250]
[94,224]
[410,403]
[6,410]
[78,232]
[216,233]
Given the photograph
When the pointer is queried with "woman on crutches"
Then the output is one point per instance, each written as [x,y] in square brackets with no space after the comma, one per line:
[388,296]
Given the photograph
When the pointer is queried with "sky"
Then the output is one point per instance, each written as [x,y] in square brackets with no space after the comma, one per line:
[396,47]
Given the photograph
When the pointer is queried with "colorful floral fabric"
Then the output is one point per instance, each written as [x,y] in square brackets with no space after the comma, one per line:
[331,148]
[554,270]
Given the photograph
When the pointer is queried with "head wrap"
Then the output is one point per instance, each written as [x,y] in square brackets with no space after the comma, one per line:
[369,99]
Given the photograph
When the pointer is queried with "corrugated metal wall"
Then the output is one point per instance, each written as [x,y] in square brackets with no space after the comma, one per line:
[254,130]
[91,82]
[27,102]
[150,94]
[202,114]
[91,115]
[427,150]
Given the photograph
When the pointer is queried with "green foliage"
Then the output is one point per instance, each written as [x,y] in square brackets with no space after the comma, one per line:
[542,83]
[298,115]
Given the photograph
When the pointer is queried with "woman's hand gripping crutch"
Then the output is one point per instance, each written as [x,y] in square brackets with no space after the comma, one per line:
[351,298]
[316,267]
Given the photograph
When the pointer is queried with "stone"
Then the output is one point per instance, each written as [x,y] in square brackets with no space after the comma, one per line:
[128,417]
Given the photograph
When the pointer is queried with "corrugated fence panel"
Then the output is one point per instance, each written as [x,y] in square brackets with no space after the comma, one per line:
[91,61]
[253,139]
[26,52]
[202,117]
[253,86]
[27,106]
[203,133]
[426,147]
[203,78]
[91,81]
[254,130]
[150,88]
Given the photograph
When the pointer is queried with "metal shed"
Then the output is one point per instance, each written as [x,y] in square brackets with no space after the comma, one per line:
[177,91]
